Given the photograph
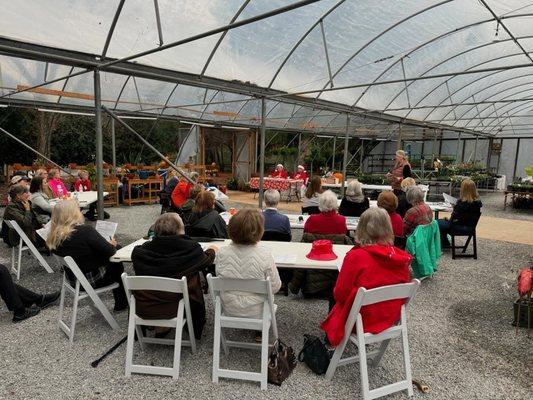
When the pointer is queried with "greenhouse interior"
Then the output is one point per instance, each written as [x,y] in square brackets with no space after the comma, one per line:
[340,191]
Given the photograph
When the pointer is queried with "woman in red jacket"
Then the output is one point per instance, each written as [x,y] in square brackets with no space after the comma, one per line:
[374,263]
[180,194]
[328,222]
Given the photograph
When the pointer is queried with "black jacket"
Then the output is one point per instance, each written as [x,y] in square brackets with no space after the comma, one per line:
[350,208]
[465,213]
[172,257]
[88,248]
[27,220]
[403,204]
[207,224]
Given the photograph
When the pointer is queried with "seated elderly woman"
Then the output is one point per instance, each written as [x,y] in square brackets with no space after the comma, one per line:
[172,254]
[374,263]
[419,213]
[389,202]
[275,221]
[403,204]
[205,220]
[245,258]
[40,202]
[354,202]
[56,184]
[19,210]
[328,222]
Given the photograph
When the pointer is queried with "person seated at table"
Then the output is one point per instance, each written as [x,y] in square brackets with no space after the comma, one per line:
[20,180]
[279,172]
[275,221]
[389,202]
[70,237]
[82,184]
[338,176]
[301,174]
[186,209]
[19,210]
[205,221]
[56,184]
[374,263]
[312,193]
[328,222]
[44,173]
[419,213]
[172,254]
[180,194]
[403,204]
[245,258]
[40,202]
[465,212]
[21,301]
[354,202]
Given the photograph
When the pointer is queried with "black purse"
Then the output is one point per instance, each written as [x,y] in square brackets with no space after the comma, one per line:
[315,354]
[281,362]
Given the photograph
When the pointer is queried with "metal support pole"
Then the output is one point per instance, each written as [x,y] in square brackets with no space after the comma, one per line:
[299,159]
[129,128]
[361,156]
[434,148]
[516,157]
[399,141]
[475,150]
[262,152]
[333,154]
[99,146]
[256,149]
[33,150]
[345,161]
[458,147]
[113,146]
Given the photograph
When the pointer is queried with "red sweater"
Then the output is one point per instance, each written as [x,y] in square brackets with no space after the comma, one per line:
[86,183]
[301,175]
[279,174]
[180,194]
[326,223]
[397,223]
[369,267]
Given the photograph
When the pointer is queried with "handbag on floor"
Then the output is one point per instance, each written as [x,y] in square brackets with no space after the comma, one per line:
[281,362]
[315,354]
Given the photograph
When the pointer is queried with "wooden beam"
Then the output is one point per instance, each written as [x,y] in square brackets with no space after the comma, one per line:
[53,92]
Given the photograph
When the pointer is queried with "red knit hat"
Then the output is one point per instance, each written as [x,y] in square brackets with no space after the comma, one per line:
[322,250]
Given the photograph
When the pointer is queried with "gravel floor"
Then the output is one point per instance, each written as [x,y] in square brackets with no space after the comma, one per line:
[461,340]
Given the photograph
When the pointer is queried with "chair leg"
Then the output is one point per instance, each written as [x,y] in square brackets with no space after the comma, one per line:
[363,367]
[74,314]
[264,355]
[129,345]
[216,344]
[177,342]
[466,244]
[407,361]
[62,301]
[474,243]
[334,362]
[19,260]
[13,259]
[382,348]
[453,247]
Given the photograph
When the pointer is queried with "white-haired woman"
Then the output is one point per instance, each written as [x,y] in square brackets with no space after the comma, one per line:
[419,213]
[400,171]
[70,237]
[328,222]
[374,263]
[403,204]
[354,202]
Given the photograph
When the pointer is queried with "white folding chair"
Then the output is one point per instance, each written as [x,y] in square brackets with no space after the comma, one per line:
[96,303]
[360,339]
[25,244]
[217,286]
[132,283]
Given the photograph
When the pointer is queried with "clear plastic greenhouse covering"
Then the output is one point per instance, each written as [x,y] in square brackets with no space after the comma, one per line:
[457,66]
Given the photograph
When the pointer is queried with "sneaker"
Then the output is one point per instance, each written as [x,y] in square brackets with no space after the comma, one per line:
[48,300]
[28,313]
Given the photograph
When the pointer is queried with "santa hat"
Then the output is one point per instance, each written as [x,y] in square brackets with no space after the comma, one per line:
[301,167]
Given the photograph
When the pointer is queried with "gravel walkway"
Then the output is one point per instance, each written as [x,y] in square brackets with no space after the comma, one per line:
[461,340]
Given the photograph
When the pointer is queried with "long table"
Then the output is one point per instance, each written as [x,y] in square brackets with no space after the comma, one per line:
[297,221]
[286,254]
[364,186]
[85,199]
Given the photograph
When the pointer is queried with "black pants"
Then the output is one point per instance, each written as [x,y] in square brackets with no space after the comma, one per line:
[15,296]
[113,274]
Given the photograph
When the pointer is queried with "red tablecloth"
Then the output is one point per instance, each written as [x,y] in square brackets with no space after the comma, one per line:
[275,183]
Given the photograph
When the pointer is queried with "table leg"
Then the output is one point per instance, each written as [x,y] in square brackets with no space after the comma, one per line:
[436,214]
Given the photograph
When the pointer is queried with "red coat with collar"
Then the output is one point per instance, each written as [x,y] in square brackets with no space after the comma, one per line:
[280,174]
[180,194]
[326,223]
[301,175]
[369,267]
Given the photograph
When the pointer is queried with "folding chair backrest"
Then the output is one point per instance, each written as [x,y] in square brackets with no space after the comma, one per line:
[69,263]
[155,283]
[14,225]
[257,286]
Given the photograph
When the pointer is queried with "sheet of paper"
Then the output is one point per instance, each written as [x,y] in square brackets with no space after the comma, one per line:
[285,258]
[44,231]
[106,228]
[449,199]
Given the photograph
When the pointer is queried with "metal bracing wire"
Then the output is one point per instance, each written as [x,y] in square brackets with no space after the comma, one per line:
[324,41]
[112,27]
[64,86]
[158,23]
[516,109]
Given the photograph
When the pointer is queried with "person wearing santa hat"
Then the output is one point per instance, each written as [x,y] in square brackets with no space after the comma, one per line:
[301,174]
[279,172]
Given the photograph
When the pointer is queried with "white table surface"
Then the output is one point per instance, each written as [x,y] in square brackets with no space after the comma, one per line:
[85,199]
[286,254]
[294,219]
[218,194]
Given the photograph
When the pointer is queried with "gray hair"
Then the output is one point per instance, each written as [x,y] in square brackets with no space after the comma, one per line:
[374,227]
[414,195]
[169,224]
[354,191]
[194,176]
[272,197]
[327,201]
